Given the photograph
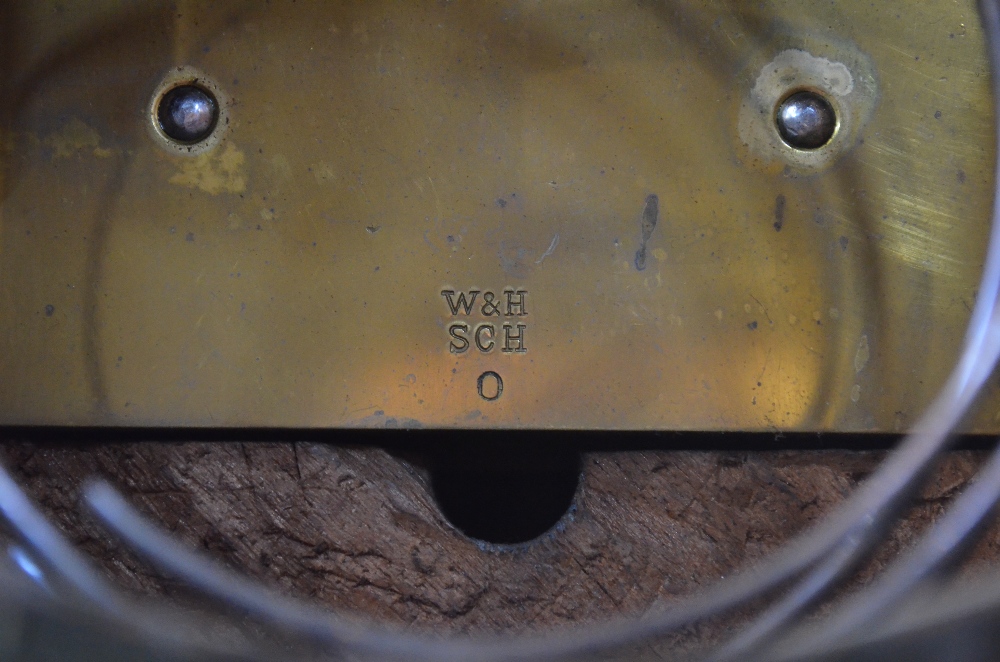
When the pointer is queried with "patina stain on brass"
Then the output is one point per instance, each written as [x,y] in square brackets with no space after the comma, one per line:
[517,214]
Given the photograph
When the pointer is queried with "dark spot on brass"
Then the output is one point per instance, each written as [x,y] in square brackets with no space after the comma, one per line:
[501,203]
[50,310]
[753,327]
[806,120]
[843,243]
[779,212]
[650,214]
[187,114]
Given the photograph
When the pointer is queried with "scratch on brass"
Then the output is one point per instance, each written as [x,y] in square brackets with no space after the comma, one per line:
[862,355]
[548,251]
[779,212]
[650,215]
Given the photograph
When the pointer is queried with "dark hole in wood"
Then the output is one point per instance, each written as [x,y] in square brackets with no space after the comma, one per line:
[506,499]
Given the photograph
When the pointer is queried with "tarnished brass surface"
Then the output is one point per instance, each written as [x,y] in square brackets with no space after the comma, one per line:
[604,174]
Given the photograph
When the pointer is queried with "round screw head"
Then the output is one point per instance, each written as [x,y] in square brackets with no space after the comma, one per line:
[806,120]
[187,114]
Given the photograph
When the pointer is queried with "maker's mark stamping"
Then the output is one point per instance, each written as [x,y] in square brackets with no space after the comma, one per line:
[505,333]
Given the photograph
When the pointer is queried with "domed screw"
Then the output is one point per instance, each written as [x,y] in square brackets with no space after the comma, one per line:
[187,114]
[806,120]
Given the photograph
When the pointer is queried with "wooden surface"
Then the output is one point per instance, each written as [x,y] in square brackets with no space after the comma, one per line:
[358,529]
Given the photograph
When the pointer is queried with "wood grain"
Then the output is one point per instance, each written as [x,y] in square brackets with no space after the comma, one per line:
[357,528]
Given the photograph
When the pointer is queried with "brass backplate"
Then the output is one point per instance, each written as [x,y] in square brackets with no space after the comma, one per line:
[513,214]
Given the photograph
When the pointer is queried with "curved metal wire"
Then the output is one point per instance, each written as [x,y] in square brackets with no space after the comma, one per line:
[818,558]
[71,567]
[949,535]
[954,531]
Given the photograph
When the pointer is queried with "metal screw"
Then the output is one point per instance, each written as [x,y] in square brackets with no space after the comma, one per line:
[187,114]
[806,120]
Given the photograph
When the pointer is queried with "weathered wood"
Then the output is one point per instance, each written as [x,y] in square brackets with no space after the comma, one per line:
[357,528]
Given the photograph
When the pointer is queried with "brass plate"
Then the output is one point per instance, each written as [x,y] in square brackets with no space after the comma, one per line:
[376,155]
